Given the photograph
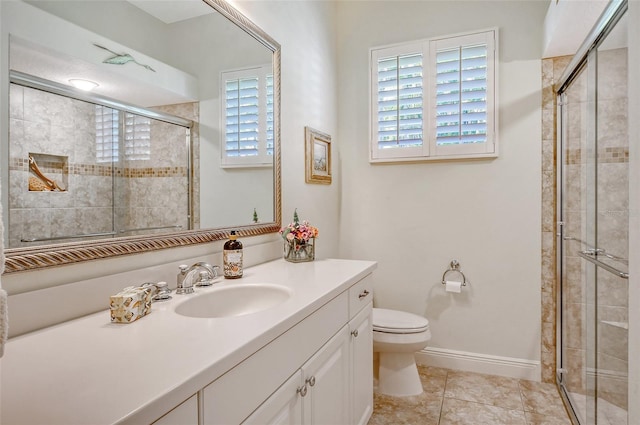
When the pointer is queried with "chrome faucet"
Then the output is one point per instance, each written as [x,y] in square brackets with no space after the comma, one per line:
[160,290]
[206,273]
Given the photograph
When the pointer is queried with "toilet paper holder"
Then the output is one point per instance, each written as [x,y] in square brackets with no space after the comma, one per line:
[454,267]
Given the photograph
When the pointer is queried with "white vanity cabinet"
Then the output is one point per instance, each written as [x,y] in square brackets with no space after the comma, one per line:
[284,407]
[249,369]
[326,377]
[361,350]
[318,393]
[319,372]
[361,333]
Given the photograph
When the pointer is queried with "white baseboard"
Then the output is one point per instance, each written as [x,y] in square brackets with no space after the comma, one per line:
[480,363]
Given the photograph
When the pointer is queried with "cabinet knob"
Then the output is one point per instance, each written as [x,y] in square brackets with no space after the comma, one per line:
[363,294]
[354,333]
[311,381]
[302,390]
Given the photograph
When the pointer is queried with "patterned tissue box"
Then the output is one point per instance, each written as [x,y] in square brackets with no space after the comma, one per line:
[130,304]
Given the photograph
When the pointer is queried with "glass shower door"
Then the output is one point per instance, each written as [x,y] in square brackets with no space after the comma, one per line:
[578,234]
[593,260]
[612,228]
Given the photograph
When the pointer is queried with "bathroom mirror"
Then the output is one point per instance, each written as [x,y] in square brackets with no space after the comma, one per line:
[177,144]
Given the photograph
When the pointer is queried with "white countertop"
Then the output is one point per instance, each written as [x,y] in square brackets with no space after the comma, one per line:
[90,371]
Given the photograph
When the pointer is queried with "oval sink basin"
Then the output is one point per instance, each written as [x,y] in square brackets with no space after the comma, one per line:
[234,300]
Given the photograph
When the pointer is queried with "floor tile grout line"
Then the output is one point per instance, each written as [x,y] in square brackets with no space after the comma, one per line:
[521,396]
[488,404]
[444,391]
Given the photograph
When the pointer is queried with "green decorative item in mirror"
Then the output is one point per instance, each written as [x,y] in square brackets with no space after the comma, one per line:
[121,58]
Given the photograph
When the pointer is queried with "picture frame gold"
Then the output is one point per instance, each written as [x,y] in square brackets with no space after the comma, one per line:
[317,156]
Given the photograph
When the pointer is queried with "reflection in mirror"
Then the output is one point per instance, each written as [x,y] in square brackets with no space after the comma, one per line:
[179,132]
[108,172]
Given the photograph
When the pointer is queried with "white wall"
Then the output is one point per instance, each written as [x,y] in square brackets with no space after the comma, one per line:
[567,24]
[415,218]
[309,98]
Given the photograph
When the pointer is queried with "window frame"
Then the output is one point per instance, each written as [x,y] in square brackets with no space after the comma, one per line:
[263,159]
[430,150]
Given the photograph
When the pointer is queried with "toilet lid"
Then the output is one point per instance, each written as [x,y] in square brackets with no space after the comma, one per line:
[400,322]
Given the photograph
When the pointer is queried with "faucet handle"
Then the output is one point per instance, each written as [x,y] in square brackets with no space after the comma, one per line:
[207,277]
[183,287]
[161,291]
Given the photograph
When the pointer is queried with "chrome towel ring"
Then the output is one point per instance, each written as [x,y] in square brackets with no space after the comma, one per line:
[454,267]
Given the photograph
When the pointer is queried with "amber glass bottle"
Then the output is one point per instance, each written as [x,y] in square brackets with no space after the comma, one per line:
[232,257]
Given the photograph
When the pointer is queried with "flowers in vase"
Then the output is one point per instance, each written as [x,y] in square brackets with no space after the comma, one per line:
[298,232]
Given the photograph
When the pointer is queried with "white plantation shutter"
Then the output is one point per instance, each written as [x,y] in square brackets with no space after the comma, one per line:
[107,134]
[400,101]
[242,126]
[248,117]
[269,81]
[134,144]
[434,99]
[137,137]
[462,115]
[397,102]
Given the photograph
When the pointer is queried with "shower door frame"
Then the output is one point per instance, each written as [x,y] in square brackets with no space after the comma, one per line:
[585,60]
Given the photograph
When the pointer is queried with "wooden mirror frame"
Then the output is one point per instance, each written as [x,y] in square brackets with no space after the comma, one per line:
[32,258]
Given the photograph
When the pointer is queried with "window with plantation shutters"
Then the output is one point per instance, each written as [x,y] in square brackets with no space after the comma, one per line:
[248,117]
[121,133]
[434,99]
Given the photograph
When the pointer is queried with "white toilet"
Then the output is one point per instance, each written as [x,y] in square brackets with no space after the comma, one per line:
[397,335]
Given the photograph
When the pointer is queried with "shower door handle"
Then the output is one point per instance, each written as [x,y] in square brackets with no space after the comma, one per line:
[591,256]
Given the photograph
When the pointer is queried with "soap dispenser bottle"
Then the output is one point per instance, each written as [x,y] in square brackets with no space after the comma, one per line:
[232,257]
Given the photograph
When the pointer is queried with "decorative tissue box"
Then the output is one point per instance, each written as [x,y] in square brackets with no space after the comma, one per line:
[130,304]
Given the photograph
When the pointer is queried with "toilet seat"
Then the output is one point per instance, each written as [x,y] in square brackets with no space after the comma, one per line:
[398,322]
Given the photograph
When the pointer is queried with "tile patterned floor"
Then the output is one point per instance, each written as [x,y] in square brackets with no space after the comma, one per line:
[463,398]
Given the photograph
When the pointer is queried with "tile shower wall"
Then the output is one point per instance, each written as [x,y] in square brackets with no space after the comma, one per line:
[552,69]
[51,126]
[154,192]
[612,225]
[47,124]
[190,111]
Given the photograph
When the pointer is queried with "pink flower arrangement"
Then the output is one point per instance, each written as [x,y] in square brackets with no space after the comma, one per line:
[301,232]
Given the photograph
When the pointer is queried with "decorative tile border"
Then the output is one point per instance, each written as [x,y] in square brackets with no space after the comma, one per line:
[605,156]
[90,170]
[152,172]
[22,164]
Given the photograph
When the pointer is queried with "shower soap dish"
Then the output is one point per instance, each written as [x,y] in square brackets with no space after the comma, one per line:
[130,304]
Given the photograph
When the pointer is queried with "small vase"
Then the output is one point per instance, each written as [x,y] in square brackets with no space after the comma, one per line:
[298,251]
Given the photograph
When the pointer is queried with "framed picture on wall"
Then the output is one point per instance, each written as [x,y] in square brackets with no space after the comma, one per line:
[318,156]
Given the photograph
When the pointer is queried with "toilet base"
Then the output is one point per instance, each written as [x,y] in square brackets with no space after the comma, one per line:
[398,375]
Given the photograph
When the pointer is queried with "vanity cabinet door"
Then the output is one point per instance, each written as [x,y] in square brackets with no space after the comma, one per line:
[284,407]
[361,329]
[185,414]
[326,376]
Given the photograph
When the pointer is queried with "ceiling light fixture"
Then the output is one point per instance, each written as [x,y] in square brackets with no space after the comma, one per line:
[84,85]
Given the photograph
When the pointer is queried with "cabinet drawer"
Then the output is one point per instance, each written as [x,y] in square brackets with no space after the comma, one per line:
[360,295]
